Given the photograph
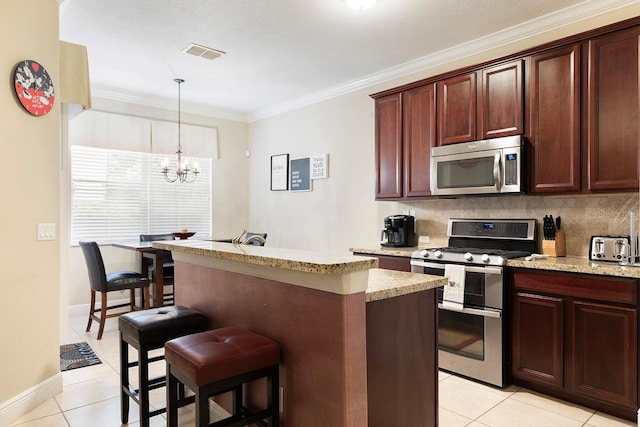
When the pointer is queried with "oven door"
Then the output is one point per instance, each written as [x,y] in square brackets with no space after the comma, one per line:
[470,343]
[470,339]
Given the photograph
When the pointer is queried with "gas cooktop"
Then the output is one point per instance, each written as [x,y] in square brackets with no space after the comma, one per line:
[488,242]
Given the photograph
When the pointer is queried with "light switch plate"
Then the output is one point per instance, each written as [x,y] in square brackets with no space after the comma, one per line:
[47,231]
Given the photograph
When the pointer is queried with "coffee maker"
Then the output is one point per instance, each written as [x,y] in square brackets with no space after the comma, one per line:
[398,231]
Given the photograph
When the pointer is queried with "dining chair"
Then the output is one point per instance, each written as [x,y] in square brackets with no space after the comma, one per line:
[255,239]
[103,283]
[167,266]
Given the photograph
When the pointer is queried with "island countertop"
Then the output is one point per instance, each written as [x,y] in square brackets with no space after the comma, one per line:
[385,284]
[288,259]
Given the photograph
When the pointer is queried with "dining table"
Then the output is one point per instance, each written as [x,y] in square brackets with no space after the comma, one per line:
[149,256]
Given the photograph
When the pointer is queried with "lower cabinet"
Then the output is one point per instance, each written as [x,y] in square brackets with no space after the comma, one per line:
[575,336]
[389,262]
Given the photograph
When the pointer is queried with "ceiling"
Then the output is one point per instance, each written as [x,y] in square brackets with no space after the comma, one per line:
[280,53]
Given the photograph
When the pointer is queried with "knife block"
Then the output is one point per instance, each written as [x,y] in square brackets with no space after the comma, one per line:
[557,247]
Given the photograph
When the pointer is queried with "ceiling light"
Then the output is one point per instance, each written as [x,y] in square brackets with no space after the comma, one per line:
[182,167]
[203,51]
[360,4]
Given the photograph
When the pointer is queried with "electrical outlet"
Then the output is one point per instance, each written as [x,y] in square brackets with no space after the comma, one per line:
[423,240]
[412,212]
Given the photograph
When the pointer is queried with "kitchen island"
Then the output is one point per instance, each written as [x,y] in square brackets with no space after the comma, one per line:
[357,343]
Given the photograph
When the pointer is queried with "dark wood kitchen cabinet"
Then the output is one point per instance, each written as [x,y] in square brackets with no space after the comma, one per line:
[468,110]
[389,262]
[574,336]
[537,341]
[405,133]
[612,111]
[389,147]
[457,109]
[553,127]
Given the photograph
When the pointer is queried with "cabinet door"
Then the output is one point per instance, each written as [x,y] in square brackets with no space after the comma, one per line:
[457,109]
[500,101]
[419,134]
[537,338]
[389,147]
[553,108]
[604,353]
[613,111]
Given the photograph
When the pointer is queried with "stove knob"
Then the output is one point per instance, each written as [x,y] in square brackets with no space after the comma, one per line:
[424,253]
[485,258]
[438,254]
[468,256]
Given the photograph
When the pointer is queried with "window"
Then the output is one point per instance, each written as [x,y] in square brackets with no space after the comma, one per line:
[118,195]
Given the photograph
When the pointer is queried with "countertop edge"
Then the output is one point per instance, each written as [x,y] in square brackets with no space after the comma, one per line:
[384,284]
[295,260]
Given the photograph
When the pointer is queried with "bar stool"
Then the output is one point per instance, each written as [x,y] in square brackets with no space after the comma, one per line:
[218,361]
[148,330]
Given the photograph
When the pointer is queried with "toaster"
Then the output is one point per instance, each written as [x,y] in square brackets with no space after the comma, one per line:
[609,248]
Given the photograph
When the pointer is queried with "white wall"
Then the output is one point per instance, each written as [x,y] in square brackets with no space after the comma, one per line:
[341,212]
[229,195]
[29,192]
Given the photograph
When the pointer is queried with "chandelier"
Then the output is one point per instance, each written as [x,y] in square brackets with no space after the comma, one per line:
[183,172]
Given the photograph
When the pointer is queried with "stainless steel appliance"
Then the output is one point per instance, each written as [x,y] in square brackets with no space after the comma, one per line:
[491,166]
[471,339]
[398,231]
[609,248]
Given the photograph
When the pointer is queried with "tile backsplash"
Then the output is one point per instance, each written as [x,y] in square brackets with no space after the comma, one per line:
[582,216]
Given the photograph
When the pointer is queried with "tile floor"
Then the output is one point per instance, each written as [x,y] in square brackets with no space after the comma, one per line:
[90,397]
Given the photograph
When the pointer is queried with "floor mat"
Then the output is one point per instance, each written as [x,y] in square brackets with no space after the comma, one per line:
[78,355]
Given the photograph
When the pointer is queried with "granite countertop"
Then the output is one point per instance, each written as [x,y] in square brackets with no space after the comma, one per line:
[385,284]
[576,265]
[562,264]
[287,259]
[399,252]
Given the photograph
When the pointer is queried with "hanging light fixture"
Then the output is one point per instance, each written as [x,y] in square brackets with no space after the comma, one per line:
[183,172]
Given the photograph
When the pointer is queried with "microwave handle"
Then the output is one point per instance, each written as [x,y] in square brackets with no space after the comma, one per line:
[497,178]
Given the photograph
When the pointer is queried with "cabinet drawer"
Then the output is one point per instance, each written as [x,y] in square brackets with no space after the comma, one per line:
[599,288]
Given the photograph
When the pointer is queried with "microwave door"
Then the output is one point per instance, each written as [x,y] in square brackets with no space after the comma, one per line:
[460,174]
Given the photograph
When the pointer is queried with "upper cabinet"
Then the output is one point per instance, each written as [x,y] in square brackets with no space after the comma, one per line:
[553,112]
[612,111]
[500,101]
[389,147]
[468,110]
[457,109]
[576,102]
[405,133]
[419,136]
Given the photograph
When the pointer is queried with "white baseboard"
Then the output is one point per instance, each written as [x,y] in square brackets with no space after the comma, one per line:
[23,403]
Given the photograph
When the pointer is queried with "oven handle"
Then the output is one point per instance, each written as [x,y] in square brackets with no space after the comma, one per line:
[474,311]
[438,266]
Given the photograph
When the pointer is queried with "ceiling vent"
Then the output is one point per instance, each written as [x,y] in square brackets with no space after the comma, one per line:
[203,51]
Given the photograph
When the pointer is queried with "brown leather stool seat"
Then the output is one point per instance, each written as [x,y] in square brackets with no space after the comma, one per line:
[147,330]
[218,361]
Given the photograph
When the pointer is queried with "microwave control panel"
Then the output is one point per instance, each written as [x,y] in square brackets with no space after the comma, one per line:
[511,169]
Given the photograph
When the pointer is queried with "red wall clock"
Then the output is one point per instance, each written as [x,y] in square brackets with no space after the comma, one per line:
[34,87]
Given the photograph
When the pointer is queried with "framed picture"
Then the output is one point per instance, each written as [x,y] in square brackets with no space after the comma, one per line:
[299,176]
[319,166]
[280,172]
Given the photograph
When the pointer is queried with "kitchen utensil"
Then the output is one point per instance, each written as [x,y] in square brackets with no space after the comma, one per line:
[558,222]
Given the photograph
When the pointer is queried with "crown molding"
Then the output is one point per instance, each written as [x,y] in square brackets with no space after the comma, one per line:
[186,107]
[556,20]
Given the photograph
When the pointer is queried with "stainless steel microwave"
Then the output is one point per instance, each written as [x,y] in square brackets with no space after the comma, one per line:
[491,166]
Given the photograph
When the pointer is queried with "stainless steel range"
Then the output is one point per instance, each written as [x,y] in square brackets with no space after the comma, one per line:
[472,335]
